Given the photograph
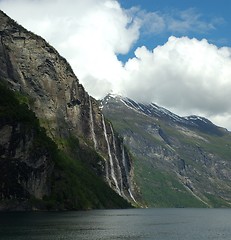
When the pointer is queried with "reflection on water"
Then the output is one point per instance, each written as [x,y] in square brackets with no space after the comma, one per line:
[155,224]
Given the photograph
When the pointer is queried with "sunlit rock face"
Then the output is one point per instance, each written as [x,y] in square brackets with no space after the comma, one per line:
[34,68]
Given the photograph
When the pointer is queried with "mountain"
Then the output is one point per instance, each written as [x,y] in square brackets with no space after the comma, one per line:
[62,149]
[178,161]
[57,150]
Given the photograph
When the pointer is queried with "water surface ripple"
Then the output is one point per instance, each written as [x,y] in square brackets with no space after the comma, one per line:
[131,224]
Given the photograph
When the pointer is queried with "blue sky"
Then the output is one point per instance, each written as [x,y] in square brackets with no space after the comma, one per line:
[215,12]
[175,53]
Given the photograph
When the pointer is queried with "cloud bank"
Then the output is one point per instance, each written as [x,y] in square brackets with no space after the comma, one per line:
[88,33]
[188,76]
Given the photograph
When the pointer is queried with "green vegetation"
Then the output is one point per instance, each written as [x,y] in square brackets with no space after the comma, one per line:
[14,107]
[217,202]
[73,183]
[76,187]
[220,146]
[158,187]
[161,188]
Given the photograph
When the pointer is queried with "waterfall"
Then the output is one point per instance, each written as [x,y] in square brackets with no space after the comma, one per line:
[92,125]
[107,172]
[131,195]
[117,161]
[124,161]
[110,158]
[127,173]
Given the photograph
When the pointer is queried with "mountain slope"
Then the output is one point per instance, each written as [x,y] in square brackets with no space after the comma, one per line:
[32,68]
[179,161]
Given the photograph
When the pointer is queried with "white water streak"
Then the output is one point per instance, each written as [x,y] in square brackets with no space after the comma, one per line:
[124,161]
[117,162]
[131,195]
[127,173]
[110,158]
[107,172]
[92,124]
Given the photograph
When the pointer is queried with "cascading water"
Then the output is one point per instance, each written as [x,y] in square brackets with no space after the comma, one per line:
[110,159]
[92,125]
[131,195]
[106,162]
[117,162]
[127,173]
[107,172]
[124,161]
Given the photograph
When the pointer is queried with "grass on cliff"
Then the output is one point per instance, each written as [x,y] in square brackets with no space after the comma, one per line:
[162,189]
[14,107]
[215,144]
[73,184]
[73,168]
[158,188]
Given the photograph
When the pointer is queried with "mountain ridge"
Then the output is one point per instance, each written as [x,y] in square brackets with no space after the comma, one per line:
[153,110]
[128,152]
[188,159]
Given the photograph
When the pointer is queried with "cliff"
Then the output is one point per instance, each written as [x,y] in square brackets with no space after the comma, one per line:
[72,119]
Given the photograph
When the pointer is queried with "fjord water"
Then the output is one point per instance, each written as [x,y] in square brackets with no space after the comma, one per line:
[133,224]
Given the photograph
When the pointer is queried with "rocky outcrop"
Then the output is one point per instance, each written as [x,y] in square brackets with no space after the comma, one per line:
[35,69]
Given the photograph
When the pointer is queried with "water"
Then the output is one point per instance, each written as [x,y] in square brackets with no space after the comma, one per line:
[92,125]
[133,224]
[110,158]
[119,172]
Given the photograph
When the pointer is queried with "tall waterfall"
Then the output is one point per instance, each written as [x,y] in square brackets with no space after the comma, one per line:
[127,173]
[117,162]
[92,125]
[124,161]
[110,157]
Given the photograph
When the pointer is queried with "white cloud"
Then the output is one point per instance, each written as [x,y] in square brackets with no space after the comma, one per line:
[151,22]
[185,75]
[174,21]
[189,21]
[88,33]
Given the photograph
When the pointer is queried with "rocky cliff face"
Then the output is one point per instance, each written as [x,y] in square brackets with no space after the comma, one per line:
[28,64]
[25,157]
[25,168]
[179,161]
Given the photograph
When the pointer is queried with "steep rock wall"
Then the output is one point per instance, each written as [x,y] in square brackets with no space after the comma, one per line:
[26,166]
[33,67]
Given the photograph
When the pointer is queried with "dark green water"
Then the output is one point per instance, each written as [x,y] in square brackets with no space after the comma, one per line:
[134,224]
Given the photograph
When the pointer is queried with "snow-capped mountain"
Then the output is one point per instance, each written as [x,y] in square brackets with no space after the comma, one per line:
[178,161]
[155,111]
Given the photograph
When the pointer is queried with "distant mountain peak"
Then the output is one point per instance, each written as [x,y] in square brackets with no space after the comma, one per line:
[163,114]
[149,109]
[197,118]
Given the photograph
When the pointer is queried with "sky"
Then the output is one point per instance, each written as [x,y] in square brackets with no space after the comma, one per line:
[176,54]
